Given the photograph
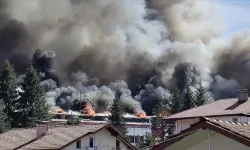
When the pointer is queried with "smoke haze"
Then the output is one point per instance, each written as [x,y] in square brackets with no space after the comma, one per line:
[85,50]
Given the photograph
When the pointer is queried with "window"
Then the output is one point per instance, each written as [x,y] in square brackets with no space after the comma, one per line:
[117,145]
[91,142]
[131,138]
[235,120]
[78,144]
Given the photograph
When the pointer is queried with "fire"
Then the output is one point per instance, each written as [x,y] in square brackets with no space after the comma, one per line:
[140,114]
[89,110]
[59,110]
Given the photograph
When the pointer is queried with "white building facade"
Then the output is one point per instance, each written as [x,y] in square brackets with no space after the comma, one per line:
[101,140]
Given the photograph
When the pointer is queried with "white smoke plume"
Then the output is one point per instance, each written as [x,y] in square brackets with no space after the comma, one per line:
[190,20]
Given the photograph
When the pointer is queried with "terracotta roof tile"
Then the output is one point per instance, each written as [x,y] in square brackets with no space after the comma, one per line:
[217,108]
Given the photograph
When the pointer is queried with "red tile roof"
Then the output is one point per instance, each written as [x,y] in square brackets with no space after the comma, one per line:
[224,107]
[238,131]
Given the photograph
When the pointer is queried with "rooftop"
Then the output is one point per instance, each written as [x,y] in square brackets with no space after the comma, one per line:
[224,107]
[56,137]
[238,131]
[17,136]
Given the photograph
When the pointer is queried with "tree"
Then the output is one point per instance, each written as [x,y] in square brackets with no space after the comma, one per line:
[201,96]
[116,116]
[33,105]
[3,124]
[189,100]
[175,103]
[42,108]
[158,122]
[73,120]
[149,141]
[160,107]
[8,91]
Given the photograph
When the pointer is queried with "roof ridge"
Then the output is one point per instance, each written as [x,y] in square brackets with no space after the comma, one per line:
[194,108]
[226,121]
[225,99]
[18,129]
[222,106]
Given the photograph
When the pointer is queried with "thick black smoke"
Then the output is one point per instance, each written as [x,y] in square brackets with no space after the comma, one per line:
[43,62]
[15,40]
[139,49]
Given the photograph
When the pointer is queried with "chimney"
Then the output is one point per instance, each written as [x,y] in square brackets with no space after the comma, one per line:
[243,95]
[41,128]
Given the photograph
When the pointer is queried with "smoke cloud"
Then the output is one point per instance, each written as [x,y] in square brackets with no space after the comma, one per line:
[88,50]
[190,20]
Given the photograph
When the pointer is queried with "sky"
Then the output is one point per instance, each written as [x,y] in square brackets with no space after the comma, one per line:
[236,15]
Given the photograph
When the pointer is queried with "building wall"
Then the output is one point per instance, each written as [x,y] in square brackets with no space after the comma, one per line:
[219,142]
[202,140]
[103,140]
[185,123]
[138,131]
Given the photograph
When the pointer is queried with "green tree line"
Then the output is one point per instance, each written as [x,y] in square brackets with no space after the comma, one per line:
[190,98]
[177,102]
[21,108]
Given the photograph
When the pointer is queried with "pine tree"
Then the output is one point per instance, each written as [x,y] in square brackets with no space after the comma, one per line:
[32,102]
[160,107]
[116,116]
[42,108]
[189,99]
[158,122]
[3,124]
[175,101]
[8,91]
[201,96]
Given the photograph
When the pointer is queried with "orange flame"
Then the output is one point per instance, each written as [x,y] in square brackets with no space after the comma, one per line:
[140,114]
[89,110]
[59,110]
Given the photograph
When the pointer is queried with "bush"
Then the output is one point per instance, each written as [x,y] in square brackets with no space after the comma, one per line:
[74,121]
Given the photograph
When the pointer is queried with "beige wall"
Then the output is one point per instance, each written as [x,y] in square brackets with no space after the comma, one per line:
[200,141]
[102,140]
[219,142]
[185,123]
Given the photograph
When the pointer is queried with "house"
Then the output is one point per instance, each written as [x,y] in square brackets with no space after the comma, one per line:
[210,134]
[138,127]
[235,110]
[44,137]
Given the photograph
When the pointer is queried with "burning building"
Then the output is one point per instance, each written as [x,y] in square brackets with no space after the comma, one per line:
[89,110]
